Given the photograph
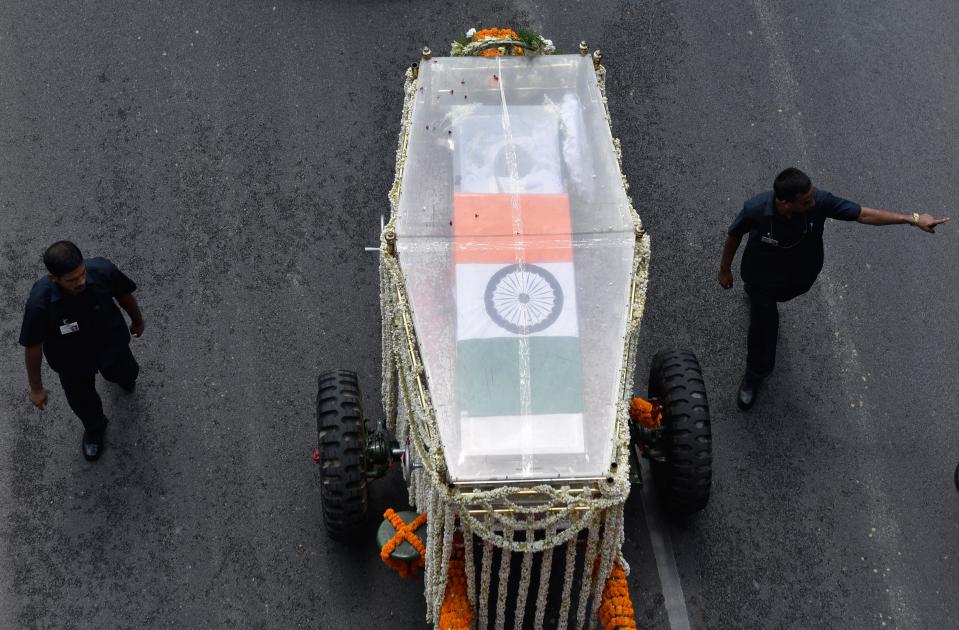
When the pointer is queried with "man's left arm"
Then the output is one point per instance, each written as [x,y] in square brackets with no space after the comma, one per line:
[122,288]
[129,304]
[924,221]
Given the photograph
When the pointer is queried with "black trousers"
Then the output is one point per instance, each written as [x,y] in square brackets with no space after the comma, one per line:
[764,327]
[81,391]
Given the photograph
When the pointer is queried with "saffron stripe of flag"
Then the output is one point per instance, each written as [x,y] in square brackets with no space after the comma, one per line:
[503,228]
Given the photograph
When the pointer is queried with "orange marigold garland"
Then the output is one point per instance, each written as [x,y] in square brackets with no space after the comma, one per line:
[407,532]
[455,613]
[646,413]
[499,34]
[616,609]
[495,33]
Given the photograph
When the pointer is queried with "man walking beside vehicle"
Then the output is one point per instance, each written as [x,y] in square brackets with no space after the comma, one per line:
[784,256]
[71,317]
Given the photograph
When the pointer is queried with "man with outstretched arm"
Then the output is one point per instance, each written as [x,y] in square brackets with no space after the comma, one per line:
[784,256]
[72,317]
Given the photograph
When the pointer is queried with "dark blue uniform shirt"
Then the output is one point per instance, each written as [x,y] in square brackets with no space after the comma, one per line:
[100,333]
[783,257]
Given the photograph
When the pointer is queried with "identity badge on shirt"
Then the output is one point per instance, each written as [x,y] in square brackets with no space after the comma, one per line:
[68,328]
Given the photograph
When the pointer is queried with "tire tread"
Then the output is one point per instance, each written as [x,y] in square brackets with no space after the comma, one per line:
[685,478]
[341,436]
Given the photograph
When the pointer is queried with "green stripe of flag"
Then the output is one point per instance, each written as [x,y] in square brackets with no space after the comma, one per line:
[488,382]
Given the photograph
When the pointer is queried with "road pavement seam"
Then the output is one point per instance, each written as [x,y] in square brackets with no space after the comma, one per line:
[659,539]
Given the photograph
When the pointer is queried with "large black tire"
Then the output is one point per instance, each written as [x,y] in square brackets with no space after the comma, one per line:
[685,477]
[342,442]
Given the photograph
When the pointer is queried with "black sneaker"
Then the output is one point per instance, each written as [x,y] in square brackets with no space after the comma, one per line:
[748,391]
[93,444]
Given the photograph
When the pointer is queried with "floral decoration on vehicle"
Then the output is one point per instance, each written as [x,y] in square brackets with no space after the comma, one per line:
[495,42]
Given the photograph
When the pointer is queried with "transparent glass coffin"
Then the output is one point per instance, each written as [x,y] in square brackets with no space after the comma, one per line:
[516,240]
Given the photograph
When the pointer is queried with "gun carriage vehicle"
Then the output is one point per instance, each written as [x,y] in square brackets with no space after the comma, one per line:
[513,274]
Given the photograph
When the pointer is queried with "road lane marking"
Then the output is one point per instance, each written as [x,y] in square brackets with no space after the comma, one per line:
[659,539]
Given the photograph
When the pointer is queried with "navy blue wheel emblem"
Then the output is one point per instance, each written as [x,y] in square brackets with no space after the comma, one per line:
[523,299]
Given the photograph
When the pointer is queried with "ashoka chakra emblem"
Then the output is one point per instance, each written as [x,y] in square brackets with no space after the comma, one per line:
[523,299]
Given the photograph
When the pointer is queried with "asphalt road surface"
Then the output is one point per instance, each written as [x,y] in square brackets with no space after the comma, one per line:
[233,158]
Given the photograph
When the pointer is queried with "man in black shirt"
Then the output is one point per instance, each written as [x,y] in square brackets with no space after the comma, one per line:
[72,319]
[784,256]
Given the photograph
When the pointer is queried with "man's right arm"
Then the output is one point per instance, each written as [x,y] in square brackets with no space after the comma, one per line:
[34,359]
[726,264]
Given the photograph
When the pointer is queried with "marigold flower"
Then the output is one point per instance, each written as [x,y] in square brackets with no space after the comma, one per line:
[407,532]
[616,609]
[455,613]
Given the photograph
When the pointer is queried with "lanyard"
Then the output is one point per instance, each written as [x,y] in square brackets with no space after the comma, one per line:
[768,238]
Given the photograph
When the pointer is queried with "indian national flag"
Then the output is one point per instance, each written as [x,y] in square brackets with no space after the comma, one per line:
[518,365]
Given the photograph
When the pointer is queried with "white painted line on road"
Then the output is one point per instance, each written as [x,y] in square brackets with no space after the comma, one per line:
[659,539]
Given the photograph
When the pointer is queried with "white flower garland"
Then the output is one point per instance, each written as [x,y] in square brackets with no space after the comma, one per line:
[546,566]
[482,612]
[524,578]
[592,549]
[470,569]
[502,588]
[567,584]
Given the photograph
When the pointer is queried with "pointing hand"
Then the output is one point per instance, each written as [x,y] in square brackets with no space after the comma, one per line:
[928,223]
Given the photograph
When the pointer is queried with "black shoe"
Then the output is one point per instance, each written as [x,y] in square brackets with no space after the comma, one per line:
[93,444]
[748,390]
[128,387]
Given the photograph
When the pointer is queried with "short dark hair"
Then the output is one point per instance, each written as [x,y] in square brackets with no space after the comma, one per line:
[62,257]
[791,183]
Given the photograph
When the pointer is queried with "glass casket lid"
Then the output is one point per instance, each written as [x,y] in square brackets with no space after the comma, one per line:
[516,239]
